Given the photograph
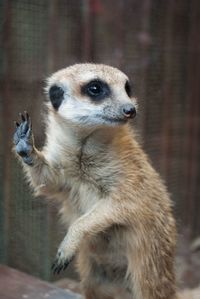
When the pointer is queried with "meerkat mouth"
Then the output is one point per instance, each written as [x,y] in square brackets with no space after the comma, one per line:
[115,120]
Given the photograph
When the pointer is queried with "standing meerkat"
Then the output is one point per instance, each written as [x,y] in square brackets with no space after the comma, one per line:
[114,204]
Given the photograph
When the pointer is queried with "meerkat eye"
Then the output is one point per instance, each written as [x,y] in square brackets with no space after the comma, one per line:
[96,90]
[56,95]
[128,89]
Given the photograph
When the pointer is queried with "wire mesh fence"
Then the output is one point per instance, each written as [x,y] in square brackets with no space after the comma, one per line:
[156,43]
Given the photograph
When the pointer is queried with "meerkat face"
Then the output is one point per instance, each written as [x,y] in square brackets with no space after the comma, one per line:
[91,95]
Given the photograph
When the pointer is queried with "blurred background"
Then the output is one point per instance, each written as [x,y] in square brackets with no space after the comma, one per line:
[155,42]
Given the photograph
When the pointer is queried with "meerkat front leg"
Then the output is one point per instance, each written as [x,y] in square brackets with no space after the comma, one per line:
[103,215]
[36,167]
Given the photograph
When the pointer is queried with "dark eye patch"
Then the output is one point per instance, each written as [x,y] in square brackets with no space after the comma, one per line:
[128,89]
[56,95]
[96,90]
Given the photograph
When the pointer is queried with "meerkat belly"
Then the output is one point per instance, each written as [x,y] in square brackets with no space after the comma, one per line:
[107,253]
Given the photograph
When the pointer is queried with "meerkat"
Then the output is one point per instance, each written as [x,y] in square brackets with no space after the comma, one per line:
[114,205]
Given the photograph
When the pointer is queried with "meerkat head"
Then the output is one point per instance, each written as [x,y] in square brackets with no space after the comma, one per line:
[91,95]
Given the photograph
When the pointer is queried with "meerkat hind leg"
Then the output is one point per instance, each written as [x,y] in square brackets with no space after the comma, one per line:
[95,293]
[98,284]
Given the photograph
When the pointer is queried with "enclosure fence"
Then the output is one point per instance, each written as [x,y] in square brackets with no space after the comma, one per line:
[156,43]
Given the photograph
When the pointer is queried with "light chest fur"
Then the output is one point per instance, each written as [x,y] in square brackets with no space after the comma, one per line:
[88,169]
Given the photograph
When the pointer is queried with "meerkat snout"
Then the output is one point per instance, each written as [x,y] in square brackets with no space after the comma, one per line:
[129,111]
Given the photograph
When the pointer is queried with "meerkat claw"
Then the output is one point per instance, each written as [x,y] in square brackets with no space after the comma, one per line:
[56,268]
[60,265]
[22,117]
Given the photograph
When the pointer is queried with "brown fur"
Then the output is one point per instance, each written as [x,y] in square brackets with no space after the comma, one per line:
[116,206]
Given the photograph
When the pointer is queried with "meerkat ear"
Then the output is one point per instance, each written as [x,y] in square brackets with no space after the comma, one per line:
[56,95]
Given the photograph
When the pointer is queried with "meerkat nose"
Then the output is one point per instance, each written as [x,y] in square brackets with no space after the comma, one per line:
[129,111]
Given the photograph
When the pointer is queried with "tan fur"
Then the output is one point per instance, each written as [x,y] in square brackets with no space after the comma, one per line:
[114,204]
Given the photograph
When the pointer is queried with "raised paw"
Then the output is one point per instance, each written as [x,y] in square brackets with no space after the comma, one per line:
[60,263]
[23,138]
